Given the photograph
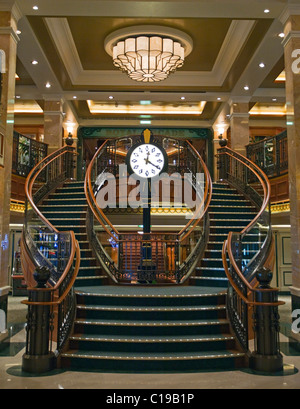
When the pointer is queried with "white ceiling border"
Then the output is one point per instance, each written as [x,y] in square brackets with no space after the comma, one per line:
[235,39]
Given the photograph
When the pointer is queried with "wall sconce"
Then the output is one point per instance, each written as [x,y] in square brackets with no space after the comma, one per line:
[69,140]
[222,141]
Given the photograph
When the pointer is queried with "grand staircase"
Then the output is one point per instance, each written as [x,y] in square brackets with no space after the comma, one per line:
[144,313]
[150,329]
[66,208]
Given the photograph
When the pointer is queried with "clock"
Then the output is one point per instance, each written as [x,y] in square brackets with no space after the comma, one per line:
[147,160]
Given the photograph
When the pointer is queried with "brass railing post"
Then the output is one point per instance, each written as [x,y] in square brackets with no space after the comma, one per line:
[267,356]
[38,357]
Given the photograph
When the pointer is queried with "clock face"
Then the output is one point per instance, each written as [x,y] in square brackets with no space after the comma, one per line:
[147,160]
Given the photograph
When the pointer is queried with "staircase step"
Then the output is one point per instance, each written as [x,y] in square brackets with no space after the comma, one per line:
[219,282]
[68,195]
[150,313]
[153,363]
[149,345]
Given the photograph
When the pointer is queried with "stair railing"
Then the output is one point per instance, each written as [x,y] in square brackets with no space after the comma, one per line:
[249,279]
[123,255]
[50,258]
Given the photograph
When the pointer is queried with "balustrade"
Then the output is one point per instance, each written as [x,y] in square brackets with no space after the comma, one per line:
[173,256]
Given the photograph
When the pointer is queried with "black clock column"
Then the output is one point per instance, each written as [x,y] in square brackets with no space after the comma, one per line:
[147,211]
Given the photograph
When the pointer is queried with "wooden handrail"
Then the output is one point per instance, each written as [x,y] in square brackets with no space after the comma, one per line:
[93,203]
[246,282]
[206,198]
[29,184]
[90,196]
[227,247]
[265,183]
[75,251]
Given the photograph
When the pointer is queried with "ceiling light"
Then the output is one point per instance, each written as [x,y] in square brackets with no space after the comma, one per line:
[281,35]
[145,102]
[246,88]
[19,32]
[148,53]
[219,99]
[111,97]
[182,98]
[35,7]
[34,62]
[145,122]
[48,85]
[274,99]
[266,11]
[74,97]
[262,65]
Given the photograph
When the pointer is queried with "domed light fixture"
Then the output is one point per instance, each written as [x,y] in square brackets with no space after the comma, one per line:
[148,53]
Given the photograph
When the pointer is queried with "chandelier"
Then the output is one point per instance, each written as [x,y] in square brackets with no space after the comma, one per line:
[148,53]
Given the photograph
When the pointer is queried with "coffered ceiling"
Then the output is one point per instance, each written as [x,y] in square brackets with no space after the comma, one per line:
[230,40]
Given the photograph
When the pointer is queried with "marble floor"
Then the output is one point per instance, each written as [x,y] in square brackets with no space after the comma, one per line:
[11,376]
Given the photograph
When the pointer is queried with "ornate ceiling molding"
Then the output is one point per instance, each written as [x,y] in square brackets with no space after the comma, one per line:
[234,41]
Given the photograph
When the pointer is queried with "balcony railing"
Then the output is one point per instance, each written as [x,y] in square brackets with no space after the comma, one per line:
[271,155]
[27,153]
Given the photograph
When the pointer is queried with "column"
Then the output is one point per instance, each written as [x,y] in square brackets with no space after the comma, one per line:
[239,126]
[219,130]
[8,52]
[292,67]
[53,123]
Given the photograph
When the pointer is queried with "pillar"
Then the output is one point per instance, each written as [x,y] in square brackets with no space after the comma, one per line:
[8,47]
[239,126]
[292,66]
[53,124]
[220,130]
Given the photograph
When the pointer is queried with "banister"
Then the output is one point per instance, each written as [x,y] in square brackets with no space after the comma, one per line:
[32,178]
[252,289]
[265,183]
[75,251]
[109,155]
[206,200]
[60,291]
[88,192]
[245,293]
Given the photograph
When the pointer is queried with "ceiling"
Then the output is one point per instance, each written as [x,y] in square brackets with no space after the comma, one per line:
[230,40]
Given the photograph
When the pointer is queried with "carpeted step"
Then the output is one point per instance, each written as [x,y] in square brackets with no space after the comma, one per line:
[154,363]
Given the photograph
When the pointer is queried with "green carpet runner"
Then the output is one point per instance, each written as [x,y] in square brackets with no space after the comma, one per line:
[153,329]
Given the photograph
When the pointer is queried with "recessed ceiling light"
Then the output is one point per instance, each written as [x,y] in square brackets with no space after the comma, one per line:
[111,97]
[18,96]
[246,88]
[219,99]
[262,65]
[34,62]
[274,99]
[18,32]
[281,35]
[48,85]
[74,97]
[266,11]
[35,7]
[182,98]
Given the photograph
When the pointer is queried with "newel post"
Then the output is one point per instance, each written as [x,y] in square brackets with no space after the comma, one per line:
[38,358]
[267,356]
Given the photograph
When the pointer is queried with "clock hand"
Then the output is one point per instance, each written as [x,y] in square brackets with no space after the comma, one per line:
[156,166]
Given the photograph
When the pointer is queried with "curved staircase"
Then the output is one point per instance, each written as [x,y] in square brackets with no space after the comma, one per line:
[121,328]
[183,326]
